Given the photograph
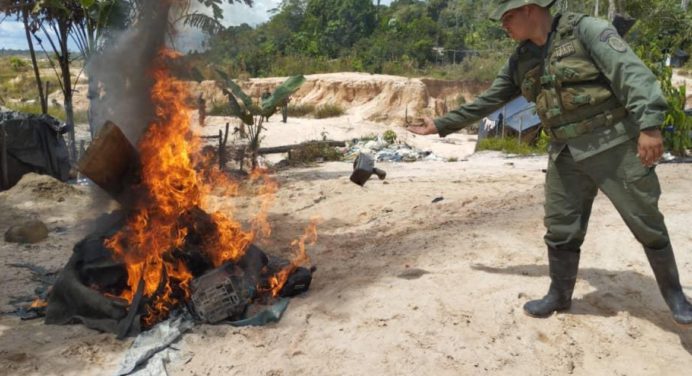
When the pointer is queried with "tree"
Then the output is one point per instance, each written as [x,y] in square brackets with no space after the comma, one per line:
[56,20]
[332,25]
[22,9]
[102,19]
[251,114]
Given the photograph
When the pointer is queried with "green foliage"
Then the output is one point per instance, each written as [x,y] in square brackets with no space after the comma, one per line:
[331,25]
[542,141]
[253,115]
[319,36]
[18,64]
[281,94]
[220,110]
[328,110]
[35,108]
[676,126]
[300,110]
[389,136]
[314,151]
[510,145]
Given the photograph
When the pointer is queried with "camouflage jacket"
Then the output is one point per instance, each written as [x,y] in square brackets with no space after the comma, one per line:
[631,82]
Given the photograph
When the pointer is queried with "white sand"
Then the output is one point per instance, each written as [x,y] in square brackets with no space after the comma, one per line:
[480,255]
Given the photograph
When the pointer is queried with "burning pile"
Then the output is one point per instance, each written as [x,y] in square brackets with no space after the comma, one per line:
[144,267]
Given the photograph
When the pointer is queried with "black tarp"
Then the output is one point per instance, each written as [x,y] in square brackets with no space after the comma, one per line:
[85,290]
[31,143]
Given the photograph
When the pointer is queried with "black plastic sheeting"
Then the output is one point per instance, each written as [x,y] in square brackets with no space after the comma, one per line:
[85,291]
[33,143]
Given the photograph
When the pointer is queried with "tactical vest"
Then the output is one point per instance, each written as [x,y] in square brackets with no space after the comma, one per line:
[572,96]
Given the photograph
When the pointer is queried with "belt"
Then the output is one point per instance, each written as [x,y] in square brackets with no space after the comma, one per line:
[572,130]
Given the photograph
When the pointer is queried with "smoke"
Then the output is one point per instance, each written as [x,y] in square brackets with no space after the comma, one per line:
[119,76]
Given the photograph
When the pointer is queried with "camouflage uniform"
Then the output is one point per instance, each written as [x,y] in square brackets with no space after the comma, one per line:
[593,95]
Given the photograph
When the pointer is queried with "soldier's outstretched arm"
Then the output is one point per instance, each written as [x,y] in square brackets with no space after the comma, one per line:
[502,90]
[425,128]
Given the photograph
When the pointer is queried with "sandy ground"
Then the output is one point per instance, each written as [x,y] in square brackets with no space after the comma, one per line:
[403,285]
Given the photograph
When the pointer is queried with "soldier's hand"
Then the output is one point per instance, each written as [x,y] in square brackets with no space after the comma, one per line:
[650,146]
[424,128]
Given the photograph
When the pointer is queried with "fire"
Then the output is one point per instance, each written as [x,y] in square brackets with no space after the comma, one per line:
[300,257]
[38,303]
[171,206]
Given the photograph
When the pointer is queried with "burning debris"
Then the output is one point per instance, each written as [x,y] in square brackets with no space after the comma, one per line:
[167,251]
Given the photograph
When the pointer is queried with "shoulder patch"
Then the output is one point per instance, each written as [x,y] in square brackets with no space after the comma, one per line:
[611,36]
[606,34]
[617,44]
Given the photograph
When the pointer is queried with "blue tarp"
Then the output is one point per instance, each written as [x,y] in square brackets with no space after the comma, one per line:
[518,114]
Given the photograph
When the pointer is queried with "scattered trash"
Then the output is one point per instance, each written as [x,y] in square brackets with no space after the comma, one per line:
[388,152]
[150,343]
[363,168]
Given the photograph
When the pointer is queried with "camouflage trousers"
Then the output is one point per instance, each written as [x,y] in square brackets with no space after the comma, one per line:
[571,187]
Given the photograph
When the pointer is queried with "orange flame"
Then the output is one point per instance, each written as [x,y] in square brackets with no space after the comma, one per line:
[277,282]
[171,190]
[171,206]
[38,303]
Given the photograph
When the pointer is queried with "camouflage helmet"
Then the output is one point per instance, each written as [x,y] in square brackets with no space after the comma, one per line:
[503,6]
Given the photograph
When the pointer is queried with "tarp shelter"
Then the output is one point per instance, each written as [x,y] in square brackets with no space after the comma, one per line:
[518,115]
[31,143]
[678,58]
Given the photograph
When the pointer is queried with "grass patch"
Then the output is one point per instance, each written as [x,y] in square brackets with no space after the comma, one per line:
[220,110]
[300,110]
[35,108]
[510,146]
[328,110]
[80,117]
[314,151]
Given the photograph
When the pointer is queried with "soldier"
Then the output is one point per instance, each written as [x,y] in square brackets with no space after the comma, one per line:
[265,95]
[602,108]
[284,109]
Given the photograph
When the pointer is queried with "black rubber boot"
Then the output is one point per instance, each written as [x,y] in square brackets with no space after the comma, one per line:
[563,276]
[666,272]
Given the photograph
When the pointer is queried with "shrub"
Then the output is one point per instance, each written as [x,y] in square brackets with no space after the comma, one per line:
[314,151]
[509,145]
[300,110]
[18,64]
[220,110]
[328,110]
[389,136]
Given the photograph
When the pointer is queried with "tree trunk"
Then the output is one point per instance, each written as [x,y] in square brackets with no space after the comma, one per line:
[596,8]
[93,97]
[32,52]
[684,4]
[64,62]
[612,9]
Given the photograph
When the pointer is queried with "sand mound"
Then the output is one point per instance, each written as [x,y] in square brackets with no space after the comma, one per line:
[371,97]
[41,187]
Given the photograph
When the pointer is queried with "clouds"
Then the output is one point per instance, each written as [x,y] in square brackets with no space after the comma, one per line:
[237,14]
[12,35]
[12,32]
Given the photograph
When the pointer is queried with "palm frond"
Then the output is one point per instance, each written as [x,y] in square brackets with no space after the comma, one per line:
[207,24]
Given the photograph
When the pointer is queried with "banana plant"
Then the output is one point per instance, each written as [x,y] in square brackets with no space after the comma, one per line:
[252,113]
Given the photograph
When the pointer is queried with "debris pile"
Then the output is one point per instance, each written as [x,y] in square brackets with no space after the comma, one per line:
[383,151]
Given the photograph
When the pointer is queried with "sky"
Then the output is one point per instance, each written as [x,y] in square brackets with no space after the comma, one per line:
[12,33]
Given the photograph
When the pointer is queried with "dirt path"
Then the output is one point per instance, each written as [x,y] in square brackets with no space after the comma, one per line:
[407,286]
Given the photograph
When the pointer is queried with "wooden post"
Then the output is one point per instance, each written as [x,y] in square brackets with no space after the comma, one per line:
[221,156]
[4,183]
